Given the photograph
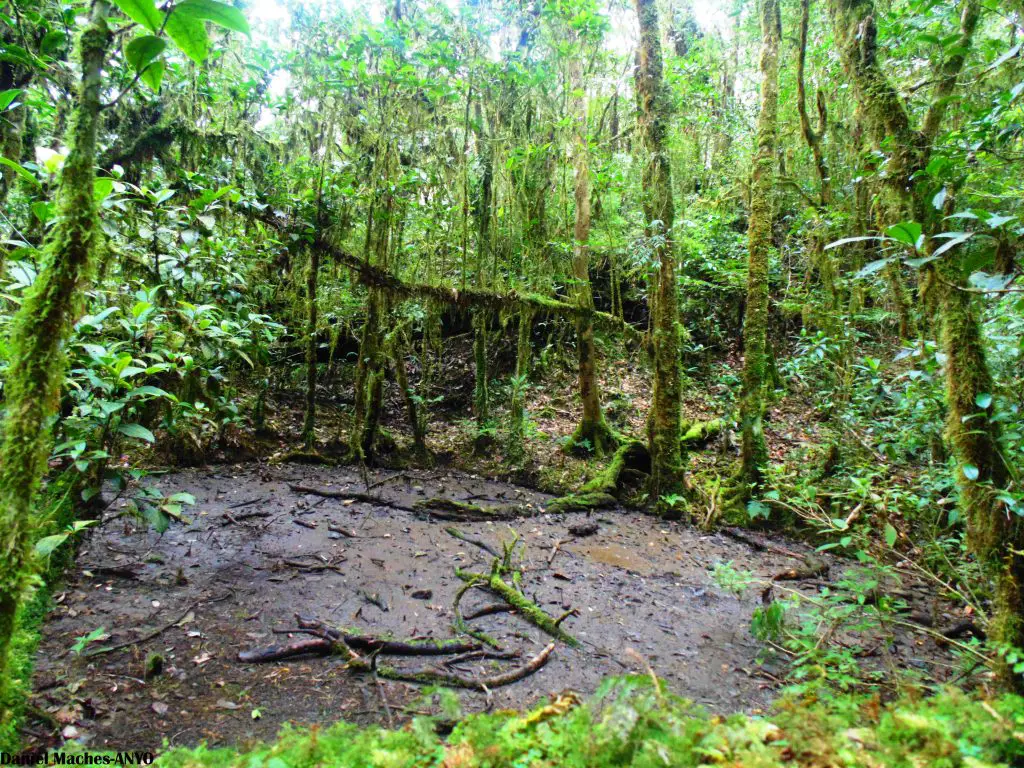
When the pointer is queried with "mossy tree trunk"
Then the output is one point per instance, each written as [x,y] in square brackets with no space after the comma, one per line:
[996,537]
[523,351]
[592,427]
[659,212]
[754,455]
[39,330]
[309,422]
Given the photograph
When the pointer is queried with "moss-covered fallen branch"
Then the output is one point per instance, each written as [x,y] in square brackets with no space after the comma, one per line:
[470,298]
[697,433]
[603,489]
[525,607]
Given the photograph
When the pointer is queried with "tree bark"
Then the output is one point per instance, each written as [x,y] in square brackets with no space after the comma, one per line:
[592,427]
[659,212]
[754,456]
[38,332]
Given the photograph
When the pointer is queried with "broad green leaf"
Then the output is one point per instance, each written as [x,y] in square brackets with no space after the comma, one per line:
[142,12]
[939,200]
[137,431]
[7,98]
[52,42]
[955,238]
[189,34]
[157,518]
[983,400]
[46,545]
[142,51]
[846,240]
[970,471]
[220,14]
[102,187]
[890,535]
[153,75]
[906,232]
[21,171]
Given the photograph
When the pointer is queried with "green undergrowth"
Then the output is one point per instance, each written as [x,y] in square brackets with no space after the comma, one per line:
[56,499]
[631,723]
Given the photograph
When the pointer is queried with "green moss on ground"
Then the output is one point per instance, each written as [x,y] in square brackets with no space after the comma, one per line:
[629,723]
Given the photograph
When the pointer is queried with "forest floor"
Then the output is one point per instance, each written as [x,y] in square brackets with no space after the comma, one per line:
[253,553]
[242,567]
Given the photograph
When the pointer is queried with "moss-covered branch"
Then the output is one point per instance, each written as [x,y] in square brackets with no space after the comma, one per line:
[603,489]
[473,298]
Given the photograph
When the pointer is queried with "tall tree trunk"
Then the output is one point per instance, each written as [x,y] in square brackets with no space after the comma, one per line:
[754,456]
[309,422]
[997,539]
[39,331]
[659,212]
[592,427]
[522,375]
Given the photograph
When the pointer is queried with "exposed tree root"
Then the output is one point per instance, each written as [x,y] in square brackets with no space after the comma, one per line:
[366,498]
[305,457]
[603,490]
[327,640]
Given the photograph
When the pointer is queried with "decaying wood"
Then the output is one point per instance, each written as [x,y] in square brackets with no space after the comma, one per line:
[464,511]
[331,493]
[813,568]
[489,610]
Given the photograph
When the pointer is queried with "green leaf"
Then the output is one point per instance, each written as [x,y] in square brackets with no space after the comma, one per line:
[189,34]
[153,75]
[23,172]
[101,188]
[42,210]
[157,518]
[137,431]
[939,200]
[46,545]
[142,12]
[221,14]
[7,98]
[906,232]
[142,51]
[872,267]
[970,471]
[890,535]
[983,400]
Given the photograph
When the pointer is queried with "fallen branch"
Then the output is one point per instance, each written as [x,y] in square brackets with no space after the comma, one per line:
[603,490]
[455,532]
[467,298]
[452,509]
[160,630]
[439,677]
[330,493]
[523,605]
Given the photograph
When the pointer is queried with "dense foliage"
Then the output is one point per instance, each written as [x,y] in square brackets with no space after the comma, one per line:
[801,218]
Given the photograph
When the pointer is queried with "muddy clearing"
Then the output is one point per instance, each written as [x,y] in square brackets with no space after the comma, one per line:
[249,560]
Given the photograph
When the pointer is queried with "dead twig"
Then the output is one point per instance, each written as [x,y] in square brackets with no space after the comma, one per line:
[160,630]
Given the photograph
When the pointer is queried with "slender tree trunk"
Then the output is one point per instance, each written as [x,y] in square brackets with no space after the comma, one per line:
[309,422]
[659,212]
[523,351]
[754,456]
[39,329]
[592,427]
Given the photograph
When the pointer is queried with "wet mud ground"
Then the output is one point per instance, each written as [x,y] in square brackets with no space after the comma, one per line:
[642,587]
